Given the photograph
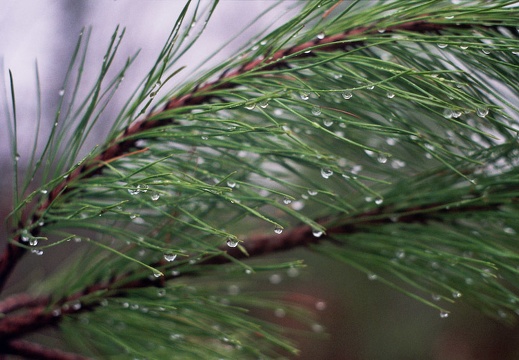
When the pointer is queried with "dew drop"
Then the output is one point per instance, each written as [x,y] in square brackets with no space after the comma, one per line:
[312,192]
[155,196]
[447,113]
[370,87]
[231,242]
[400,253]
[38,252]
[287,201]
[328,122]
[320,36]
[390,95]
[317,233]
[170,257]
[158,274]
[436,297]
[293,272]
[456,294]
[33,242]
[320,305]
[205,137]
[280,313]
[318,328]
[381,158]
[482,112]
[316,110]
[250,106]
[278,230]
[303,96]
[347,95]
[263,104]
[44,191]
[275,279]
[326,173]
[372,276]
[442,46]
[379,201]
[61,92]
[231,184]
[444,314]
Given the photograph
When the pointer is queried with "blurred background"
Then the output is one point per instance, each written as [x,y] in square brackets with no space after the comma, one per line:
[358,318]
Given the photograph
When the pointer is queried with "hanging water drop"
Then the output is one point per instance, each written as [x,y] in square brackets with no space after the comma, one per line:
[381,158]
[372,276]
[326,173]
[456,294]
[482,112]
[287,201]
[390,95]
[250,106]
[317,233]
[263,104]
[61,92]
[379,201]
[231,242]
[312,192]
[170,257]
[347,95]
[316,110]
[444,314]
[231,184]
[327,122]
[155,196]
[278,230]
[320,36]
[442,46]
[303,96]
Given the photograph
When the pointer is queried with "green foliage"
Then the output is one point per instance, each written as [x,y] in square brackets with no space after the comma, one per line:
[396,144]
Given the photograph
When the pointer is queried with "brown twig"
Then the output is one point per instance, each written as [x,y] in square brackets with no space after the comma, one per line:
[31,350]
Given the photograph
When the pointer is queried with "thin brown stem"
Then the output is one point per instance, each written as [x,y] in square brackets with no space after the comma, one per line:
[31,350]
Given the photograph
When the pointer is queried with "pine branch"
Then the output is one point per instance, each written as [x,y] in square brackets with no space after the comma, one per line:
[31,350]
[431,213]
[201,94]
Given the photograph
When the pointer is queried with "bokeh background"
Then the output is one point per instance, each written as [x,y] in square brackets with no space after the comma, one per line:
[361,319]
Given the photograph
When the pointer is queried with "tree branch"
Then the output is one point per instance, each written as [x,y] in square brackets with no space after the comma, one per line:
[35,351]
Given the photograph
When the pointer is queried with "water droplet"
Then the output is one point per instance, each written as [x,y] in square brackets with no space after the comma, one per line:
[158,274]
[447,113]
[287,201]
[293,272]
[390,95]
[205,137]
[372,276]
[442,46]
[379,201]
[33,242]
[231,184]
[318,328]
[381,158]
[61,92]
[456,294]
[303,96]
[444,314]
[320,305]
[38,252]
[320,36]
[381,31]
[328,122]
[485,51]
[436,297]
[263,104]
[280,313]
[298,205]
[509,231]
[248,271]
[312,192]
[347,95]
[250,106]
[155,196]
[278,230]
[275,279]
[170,257]
[44,191]
[400,253]
[317,233]
[464,47]
[482,112]
[316,110]
[232,242]
[326,173]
